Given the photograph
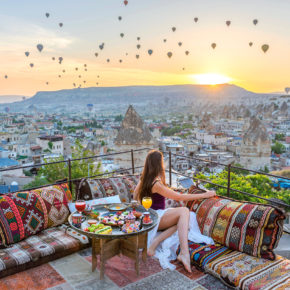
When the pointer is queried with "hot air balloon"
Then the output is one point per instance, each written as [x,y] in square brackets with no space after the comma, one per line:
[265,47]
[39,47]
[76,68]
[150,51]
[179,43]
[137,56]
[31,65]
[80,76]
[7,109]
[183,68]
[90,107]
[85,65]
[101,46]
[47,83]
[59,76]
[126,2]
[60,24]
[86,69]
[84,82]
[255,21]
[60,59]
[47,15]
[138,46]
[126,53]
[23,98]
[63,70]
[228,23]
[120,60]
[122,35]
[120,18]
[97,83]
[53,58]
[96,54]
[26,53]
[195,19]
[169,54]
[138,38]
[213,45]
[164,40]
[98,76]
[173,29]
[287,90]
[108,60]
[6,76]
[187,52]
[250,43]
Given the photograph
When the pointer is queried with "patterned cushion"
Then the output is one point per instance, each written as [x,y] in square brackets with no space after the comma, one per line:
[56,199]
[122,185]
[21,215]
[254,229]
[242,271]
[202,254]
[47,243]
[174,203]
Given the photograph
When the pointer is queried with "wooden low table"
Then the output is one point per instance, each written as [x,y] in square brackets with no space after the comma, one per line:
[129,245]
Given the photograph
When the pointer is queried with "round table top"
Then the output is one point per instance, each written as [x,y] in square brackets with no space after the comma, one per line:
[116,232]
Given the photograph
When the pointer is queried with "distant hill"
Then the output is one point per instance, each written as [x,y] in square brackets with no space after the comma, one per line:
[136,94]
[4,99]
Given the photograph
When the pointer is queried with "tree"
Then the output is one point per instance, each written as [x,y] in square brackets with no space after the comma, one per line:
[79,168]
[38,181]
[279,137]
[256,184]
[278,148]
[119,118]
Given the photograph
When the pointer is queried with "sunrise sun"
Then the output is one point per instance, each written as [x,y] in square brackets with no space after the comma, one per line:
[210,79]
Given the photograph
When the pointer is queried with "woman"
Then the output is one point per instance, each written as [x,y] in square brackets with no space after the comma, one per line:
[152,183]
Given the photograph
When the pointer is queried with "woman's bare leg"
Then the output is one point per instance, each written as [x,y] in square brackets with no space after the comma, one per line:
[180,217]
[161,237]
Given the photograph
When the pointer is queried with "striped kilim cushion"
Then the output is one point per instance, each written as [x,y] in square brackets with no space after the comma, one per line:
[202,254]
[23,214]
[242,271]
[254,229]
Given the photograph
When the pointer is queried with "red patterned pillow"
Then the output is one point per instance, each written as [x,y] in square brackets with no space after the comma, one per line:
[22,214]
[56,199]
[252,228]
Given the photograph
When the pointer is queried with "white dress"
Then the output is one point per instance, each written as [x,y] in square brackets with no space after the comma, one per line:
[166,251]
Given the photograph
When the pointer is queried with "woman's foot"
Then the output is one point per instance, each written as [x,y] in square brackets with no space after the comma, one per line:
[151,249]
[185,260]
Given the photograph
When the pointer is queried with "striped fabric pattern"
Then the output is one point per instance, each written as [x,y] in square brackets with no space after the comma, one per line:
[254,229]
[241,271]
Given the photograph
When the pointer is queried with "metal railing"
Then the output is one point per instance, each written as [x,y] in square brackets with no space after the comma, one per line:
[133,168]
[229,168]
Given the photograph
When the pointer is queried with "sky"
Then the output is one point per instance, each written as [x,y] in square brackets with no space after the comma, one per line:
[89,23]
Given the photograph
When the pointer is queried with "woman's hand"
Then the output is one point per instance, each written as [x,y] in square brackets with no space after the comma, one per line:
[209,194]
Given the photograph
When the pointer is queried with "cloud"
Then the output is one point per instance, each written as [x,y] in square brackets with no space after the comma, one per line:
[19,35]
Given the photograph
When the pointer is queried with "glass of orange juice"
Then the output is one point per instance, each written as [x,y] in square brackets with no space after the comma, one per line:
[147,202]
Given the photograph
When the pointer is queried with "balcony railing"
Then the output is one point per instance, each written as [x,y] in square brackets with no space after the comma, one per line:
[229,167]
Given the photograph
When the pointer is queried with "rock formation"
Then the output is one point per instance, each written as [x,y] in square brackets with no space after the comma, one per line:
[256,146]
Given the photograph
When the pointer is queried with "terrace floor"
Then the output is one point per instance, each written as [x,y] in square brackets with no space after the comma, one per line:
[74,272]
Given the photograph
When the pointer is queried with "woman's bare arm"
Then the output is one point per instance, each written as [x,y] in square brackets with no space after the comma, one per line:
[169,193]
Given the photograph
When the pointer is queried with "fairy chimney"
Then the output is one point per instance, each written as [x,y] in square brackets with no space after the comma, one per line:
[256,146]
[133,134]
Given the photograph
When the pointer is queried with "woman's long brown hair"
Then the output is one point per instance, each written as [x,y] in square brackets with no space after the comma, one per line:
[153,168]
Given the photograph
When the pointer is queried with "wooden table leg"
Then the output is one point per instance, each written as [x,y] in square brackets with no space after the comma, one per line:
[94,255]
[144,251]
[108,249]
[102,258]
[137,255]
